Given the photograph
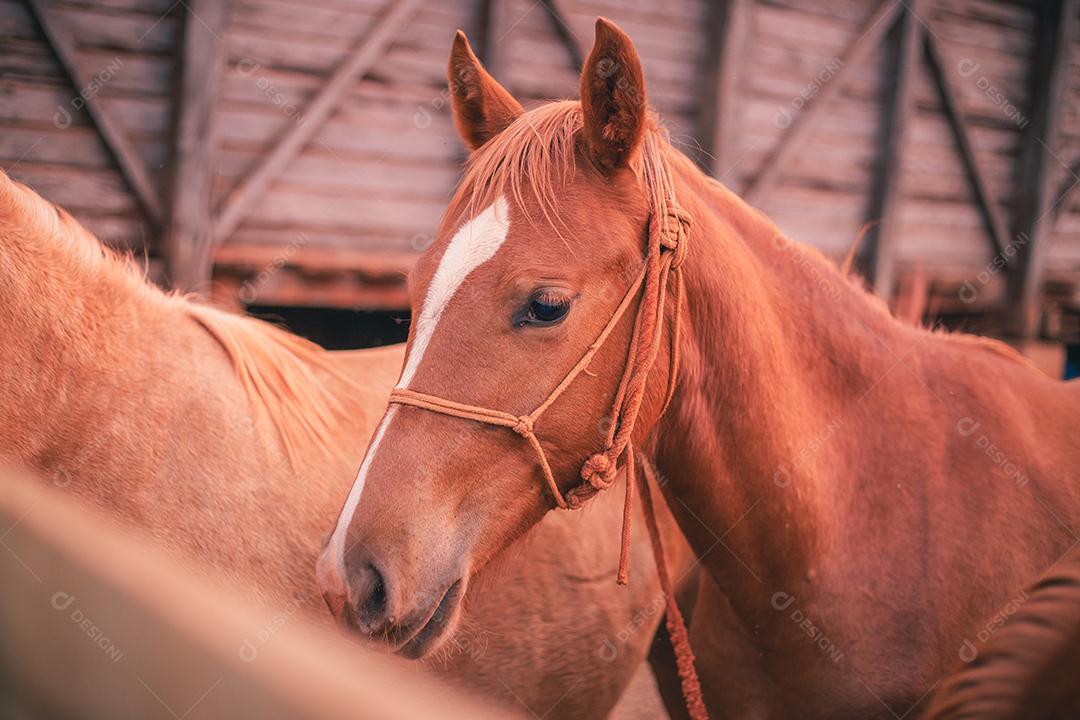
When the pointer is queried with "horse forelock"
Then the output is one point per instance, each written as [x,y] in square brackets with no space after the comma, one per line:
[532,159]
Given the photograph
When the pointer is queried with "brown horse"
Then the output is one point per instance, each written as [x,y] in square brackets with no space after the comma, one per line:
[1023,662]
[861,492]
[233,443]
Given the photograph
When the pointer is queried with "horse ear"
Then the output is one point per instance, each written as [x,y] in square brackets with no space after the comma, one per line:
[482,107]
[612,97]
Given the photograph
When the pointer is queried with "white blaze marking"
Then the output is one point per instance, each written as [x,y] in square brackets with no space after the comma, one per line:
[473,244]
[336,546]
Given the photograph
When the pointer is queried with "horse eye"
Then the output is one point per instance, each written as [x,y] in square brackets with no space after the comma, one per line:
[546,308]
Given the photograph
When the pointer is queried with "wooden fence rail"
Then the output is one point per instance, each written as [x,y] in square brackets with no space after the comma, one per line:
[96,624]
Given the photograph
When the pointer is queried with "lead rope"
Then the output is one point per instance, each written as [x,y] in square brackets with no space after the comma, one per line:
[669,228]
[676,624]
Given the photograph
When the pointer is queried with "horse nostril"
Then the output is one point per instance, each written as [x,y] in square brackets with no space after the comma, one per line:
[369,594]
[374,607]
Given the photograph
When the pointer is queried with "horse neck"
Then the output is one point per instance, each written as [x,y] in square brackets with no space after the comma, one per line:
[776,343]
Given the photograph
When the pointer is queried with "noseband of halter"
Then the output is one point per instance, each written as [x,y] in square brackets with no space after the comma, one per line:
[669,229]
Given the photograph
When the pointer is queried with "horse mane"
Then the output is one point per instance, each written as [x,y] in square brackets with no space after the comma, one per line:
[536,155]
[278,370]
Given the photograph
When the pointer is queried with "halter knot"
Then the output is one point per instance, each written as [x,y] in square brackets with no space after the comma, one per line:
[576,498]
[598,471]
[674,232]
[524,426]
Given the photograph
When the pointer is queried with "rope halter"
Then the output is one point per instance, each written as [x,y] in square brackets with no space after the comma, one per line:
[669,229]
[666,251]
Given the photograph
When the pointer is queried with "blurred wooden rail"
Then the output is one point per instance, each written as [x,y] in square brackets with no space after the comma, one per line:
[94,623]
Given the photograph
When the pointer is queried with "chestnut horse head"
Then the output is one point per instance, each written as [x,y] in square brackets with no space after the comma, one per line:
[540,261]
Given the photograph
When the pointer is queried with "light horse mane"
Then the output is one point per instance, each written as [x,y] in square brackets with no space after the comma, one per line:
[278,370]
[536,155]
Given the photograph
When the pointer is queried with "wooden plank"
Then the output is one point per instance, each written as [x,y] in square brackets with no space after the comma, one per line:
[881,261]
[373,266]
[988,207]
[117,628]
[242,199]
[131,165]
[1055,27]
[855,54]
[729,28]
[189,231]
[307,275]
[292,287]
[560,24]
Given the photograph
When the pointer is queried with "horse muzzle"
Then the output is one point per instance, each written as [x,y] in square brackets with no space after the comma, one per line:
[383,609]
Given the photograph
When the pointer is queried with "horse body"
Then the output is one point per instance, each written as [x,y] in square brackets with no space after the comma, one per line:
[863,494]
[178,418]
[871,474]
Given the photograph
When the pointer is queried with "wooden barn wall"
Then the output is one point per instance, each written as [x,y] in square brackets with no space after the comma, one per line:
[1064,251]
[128,48]
[823,198]
[369,188]
[376,177]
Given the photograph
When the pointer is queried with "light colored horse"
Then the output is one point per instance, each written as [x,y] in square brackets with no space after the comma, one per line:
[861,492]
[1023,661]
[233,443]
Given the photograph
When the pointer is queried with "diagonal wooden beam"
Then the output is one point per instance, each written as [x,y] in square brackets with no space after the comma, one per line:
[1055,27]
[855,54]
[991,213]
[361,58]
[566,34]
[116,140]
[188,229]
[888,194]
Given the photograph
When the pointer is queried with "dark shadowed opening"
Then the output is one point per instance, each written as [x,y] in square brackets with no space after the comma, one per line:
[339,329]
